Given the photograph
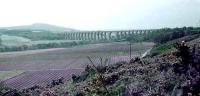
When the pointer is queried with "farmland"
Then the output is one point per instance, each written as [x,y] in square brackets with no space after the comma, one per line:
[19,41]
[62,58]
[14,40]
[8,74]
[30,78]
[10,43]
[46,61]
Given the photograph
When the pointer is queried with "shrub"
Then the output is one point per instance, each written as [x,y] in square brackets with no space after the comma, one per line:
[190,67]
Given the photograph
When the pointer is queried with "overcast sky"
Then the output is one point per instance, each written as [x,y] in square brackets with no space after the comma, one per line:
[101,14]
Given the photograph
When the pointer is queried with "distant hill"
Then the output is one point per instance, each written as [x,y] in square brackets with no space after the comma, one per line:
[40,27]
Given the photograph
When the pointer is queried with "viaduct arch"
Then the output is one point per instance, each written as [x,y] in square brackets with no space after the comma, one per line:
[104,35]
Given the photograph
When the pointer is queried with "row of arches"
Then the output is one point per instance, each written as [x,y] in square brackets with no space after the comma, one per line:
[103,35]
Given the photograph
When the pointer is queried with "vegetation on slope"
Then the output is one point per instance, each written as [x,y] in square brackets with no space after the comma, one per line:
[17,43]
[162,48]
[170,74]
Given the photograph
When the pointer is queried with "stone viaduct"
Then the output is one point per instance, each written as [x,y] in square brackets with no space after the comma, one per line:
[104,35]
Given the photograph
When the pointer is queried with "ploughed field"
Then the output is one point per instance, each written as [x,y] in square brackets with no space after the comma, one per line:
[36,64]
[42,78]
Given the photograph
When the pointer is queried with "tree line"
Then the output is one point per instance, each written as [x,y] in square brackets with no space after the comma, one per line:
[4,48]
[165,34]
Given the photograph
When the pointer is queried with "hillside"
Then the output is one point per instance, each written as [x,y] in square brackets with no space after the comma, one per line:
[40,27]
[169,73]
[166,47]
[14,40]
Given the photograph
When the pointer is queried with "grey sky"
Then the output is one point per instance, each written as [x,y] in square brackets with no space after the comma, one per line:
[101,14]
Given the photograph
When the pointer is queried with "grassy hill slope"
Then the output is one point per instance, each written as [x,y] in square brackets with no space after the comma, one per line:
[14,40]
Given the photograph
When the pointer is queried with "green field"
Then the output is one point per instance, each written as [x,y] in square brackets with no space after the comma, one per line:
[19,41]
[9,74]
[14,40]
